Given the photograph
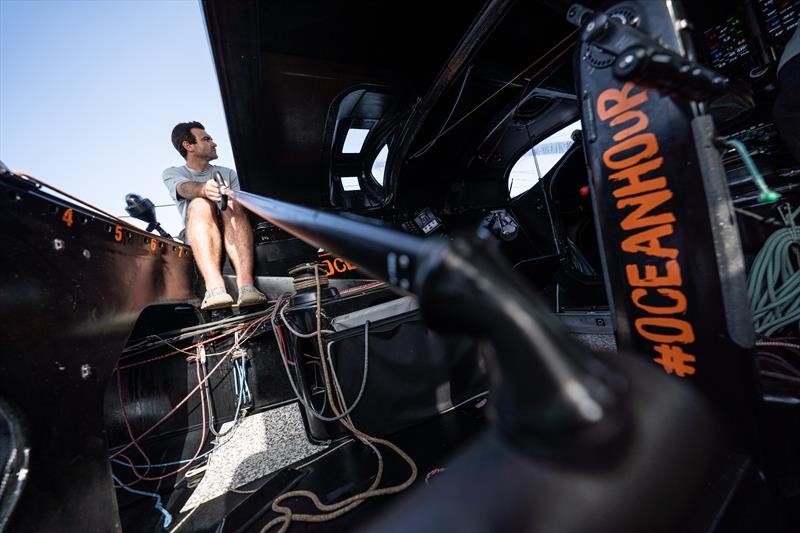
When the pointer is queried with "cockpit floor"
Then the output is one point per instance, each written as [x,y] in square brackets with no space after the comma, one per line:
[261,444]
[334,473]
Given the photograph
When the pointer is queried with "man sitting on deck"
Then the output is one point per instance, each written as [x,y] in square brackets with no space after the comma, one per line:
[195,192]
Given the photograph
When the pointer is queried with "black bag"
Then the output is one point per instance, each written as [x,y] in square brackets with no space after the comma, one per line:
[413,373]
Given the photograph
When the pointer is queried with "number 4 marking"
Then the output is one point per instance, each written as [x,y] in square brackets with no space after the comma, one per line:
[67,217]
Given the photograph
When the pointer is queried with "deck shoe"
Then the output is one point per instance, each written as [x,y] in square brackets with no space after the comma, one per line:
[249,295]
[216,298]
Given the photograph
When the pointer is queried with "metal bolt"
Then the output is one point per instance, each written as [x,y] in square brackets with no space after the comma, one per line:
[58,244]
[600,322]
[590,26]
[87,254]
[627,60]
[404,261]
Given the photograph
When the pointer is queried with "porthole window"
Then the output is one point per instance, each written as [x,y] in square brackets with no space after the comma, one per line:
[379,164]
[354,140]
[350,183]
[536,162]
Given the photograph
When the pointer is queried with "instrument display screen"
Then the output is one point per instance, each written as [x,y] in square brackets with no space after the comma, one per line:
[778,17]
[726,43]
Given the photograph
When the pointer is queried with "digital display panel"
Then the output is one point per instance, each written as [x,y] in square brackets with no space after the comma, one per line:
[726,43]
[779,18]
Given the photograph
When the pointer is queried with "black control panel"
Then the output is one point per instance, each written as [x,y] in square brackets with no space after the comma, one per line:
[765,146]
[750,34]
[424,223]
[779,18]
[726,43]
[743,39]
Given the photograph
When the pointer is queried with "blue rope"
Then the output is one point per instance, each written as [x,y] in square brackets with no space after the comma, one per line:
[158,506]
[248,397]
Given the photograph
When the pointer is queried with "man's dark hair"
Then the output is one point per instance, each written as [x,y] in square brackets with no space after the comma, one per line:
[183,132]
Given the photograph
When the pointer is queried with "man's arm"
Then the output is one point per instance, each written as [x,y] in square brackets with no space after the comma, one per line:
[192,189]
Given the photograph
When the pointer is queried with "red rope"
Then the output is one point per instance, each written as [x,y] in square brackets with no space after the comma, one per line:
[144,477]
[202,435]
[247,328]
[130,431]
[164,356]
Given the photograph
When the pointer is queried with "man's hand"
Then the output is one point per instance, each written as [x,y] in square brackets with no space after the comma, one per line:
[211,191]
[208,190]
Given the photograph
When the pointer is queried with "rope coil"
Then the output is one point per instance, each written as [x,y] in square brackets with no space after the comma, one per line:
[773,285]
[341,410]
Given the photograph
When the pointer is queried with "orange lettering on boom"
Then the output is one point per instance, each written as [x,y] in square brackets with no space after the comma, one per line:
[641,123]
[682,331]
[645,204]
[612,102]
[651,278]
[647,143]
[633,176]
[678,298]
[648,242]
[674,360]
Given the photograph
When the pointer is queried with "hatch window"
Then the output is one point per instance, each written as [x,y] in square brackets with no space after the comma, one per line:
[350,183]
[354,140]
[379,164]
[536,162]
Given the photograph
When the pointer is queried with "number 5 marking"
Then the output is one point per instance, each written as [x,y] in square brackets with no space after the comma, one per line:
[118,234]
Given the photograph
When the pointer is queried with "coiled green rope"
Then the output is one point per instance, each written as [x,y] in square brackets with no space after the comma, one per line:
[773,285]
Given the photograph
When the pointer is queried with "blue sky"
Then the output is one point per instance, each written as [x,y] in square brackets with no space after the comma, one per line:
[90,91]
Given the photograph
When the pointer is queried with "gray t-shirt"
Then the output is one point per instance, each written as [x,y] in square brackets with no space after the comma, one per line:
[176,175]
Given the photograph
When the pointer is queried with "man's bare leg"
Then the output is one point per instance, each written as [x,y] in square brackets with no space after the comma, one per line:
[238,236]
[202,230]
